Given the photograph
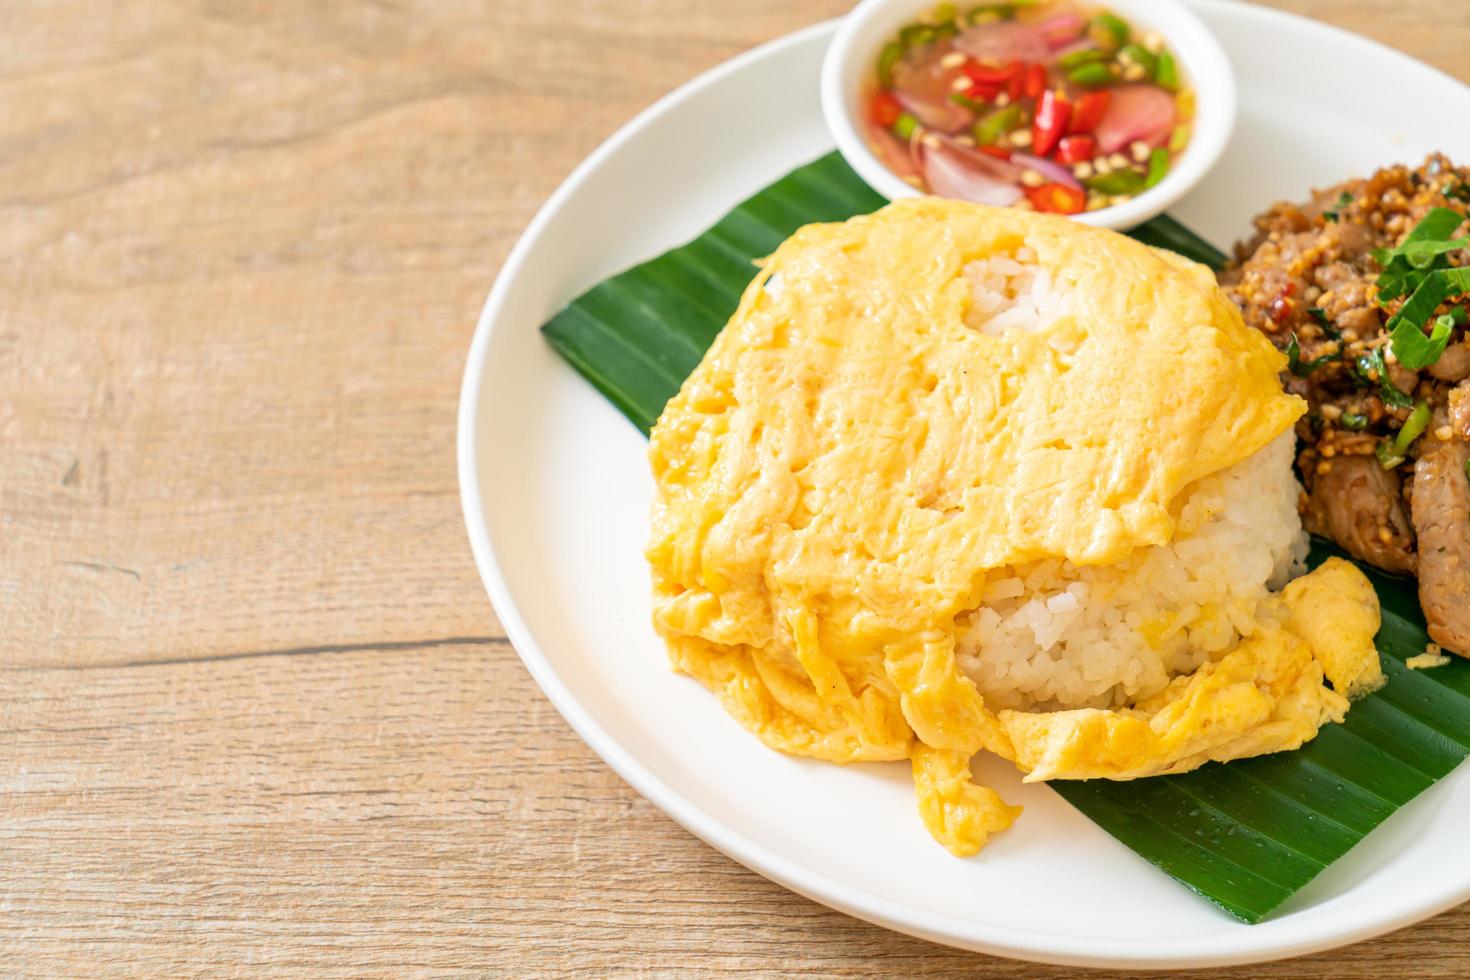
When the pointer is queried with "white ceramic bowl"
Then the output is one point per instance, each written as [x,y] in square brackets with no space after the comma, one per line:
[850,62]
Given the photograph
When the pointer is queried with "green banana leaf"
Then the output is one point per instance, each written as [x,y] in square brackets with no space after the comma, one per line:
[1246,835]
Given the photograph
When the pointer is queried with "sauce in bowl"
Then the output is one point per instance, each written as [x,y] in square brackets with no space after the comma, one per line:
[1054,106]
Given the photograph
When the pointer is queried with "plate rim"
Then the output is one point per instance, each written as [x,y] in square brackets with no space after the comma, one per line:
[1034,946]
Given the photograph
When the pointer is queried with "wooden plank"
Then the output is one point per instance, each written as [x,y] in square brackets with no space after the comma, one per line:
[255,712]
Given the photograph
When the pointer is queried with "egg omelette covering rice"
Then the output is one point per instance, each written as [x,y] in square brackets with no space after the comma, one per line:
[947,482]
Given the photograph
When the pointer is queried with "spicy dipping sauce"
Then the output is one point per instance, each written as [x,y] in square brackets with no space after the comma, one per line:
[1053,106]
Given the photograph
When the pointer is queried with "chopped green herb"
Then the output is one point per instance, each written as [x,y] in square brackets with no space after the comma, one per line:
[1423,251]
[1412,428]
[1343,200]
[886,60]
[1387,458]
[1414,350]
[905,126]
[1320,316]
[1301,369]
[1405,329]
[963,100]
[1372,369]
[1354,421]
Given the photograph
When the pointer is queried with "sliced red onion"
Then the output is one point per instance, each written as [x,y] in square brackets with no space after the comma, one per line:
[1055,172]
[923,86]
[1003,43]
[940,114]
[1136,112]
[1081,44]
[894,152]
[1061,29]
[956,171]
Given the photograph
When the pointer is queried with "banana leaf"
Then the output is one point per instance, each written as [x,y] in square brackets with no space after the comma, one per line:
[1246,835]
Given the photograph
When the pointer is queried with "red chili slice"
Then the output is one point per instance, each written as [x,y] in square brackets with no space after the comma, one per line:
[1076,148]
[1034,81]
[990,76]
[1057,198]
[1052,115]
[999,152]
[1016,86]
[885,109]
[982,92]
[1089,111]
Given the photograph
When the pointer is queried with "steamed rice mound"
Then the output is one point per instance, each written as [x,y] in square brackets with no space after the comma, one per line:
[958,479]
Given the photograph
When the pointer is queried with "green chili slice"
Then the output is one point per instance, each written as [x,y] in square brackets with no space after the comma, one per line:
[1158,167]
[1117,182]
[904,126]
[1078,58]
[989,130]
[1137,54]
[1109,30]
[917,34]
[1166,72]
[892,52]
[1093,73]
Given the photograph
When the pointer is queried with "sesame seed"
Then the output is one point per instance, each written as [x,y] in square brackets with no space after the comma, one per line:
[1119,198]
[1327,451]
[1324,467]
[961,83]
[1118,161]
[952,60]
[1139,150]
[1101,166]
[1153,41]
[1384,534]
[1031,178]
[1021,137]
[1083,170]
[1134,72]
[930,140]
[965,140]
[1003,99]
[1444,433]
[1331,411]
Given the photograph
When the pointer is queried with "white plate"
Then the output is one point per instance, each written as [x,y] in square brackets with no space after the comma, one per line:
[556,494]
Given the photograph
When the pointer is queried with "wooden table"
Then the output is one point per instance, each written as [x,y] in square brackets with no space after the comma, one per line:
[257,713]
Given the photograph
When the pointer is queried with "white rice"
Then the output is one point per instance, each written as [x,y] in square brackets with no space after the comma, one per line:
[1012,292]
[1051,635]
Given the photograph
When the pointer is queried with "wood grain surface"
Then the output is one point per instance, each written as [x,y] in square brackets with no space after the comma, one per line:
[256,714]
